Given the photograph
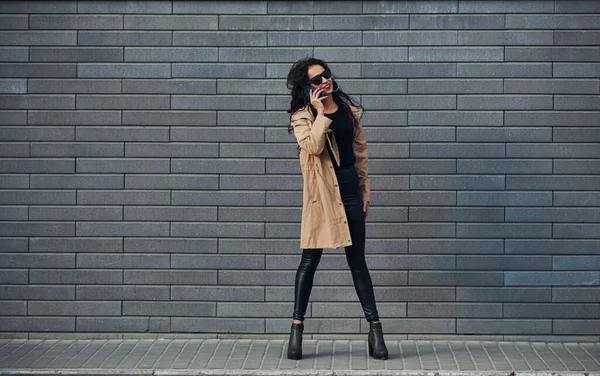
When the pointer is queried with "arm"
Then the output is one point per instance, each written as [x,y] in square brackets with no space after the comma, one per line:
[362,161]
[310,135]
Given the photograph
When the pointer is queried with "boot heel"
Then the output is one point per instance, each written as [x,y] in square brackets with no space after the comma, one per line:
[295,344]
[377,348]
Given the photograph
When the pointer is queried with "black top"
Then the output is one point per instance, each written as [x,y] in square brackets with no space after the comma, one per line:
[344,136]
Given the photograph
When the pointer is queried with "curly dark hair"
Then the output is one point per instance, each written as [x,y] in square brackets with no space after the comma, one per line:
[297,80]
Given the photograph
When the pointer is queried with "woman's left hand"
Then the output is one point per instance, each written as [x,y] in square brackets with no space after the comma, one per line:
[366,208]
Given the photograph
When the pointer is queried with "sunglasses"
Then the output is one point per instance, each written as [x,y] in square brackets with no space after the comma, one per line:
[316,80]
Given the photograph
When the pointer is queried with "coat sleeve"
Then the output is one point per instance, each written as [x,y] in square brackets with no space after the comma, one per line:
[361,154]
[311,135]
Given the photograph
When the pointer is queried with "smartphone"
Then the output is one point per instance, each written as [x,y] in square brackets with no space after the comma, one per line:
[307,91]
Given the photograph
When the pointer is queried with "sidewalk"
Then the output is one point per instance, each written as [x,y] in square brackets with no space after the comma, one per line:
[171,357]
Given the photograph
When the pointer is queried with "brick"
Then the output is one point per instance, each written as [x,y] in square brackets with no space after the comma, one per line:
[265,22]
[347,70]
[552,215]
[455,246]
[29,133]
[205,198]
[418,326]
[172,309]
[576,69]
[461,118]
[220,38]
[554,246]
[570,327]
[41,308]
[503,166]
[167,213]
[457,22]
[122,229]
[30,292]
[583,231]
[75,54]
[550,310]
[458,310]
[13,276]
[74,118]
[171,181]
[14,54]
[217,325]
[122,261]
[456,182]
[258,246]
[504,134]
[576,102]
[452,278]
[218,293]
[456,150]
[575,198]
[169,118]
[256,150]
[504,294]
[507,326]
[38,70]
[555,182]
[362,54]
[505,37]
[169,245]
[575,294]
[410,134]
[277,102]
[112,324]
[252,118]
[444,54]
[79,245]
[218,166]
[14,21]
[123,38]
[159,324]
[76,86]
[224,70]
[16,197]
[12,308]
[505,262]
[75,213]
[284,198]
[471,6]
[85,149]
[410,102]
[576,37]
[13,181]
[122,133]
[171,86]
[170,277]
[14,149]
[252,86]
[555,21]
[36,38]
[576,166]
[128,102]
[499,198]
[314,38]
[552,118]
[317,326]
[37,324]
[260,182]
[124,70]
[314,7]
[337,310]
[259,214]
[504,70]
[13,118]
[408,38]
[504,102]
[395,70]
[553,278]
[218,134]
[14,245]
[425,214]
[75,22]
[113,292]
[169,54]
[208,261]
[416,198]
[385,294]
[443,86]
[221,102]
[171,22]
[123,165]
[13,86]
[503,230]
[126,7]
[237,7]
[577,54]
[360,22]
[34,101]
[262,309]
[430,6]
[31,228]
[72,276]
[76,181]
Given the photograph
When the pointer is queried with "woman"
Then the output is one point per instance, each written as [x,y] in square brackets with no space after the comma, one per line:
[336,192]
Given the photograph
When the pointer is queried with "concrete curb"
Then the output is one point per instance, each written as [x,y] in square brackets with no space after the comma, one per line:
[302,372]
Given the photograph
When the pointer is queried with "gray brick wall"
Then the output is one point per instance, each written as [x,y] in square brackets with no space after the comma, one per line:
[148,183]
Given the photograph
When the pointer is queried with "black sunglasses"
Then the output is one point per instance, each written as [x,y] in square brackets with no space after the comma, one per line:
[316,80]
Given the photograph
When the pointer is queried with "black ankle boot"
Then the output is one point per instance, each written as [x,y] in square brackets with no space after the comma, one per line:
[295,344]
[377,347]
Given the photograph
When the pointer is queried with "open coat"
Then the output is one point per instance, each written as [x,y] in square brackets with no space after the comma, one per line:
[324,223]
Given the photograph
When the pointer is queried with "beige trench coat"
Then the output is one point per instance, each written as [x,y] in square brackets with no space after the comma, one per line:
[324,223]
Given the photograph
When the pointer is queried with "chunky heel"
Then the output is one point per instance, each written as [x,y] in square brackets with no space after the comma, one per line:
[377,348]
[295,344]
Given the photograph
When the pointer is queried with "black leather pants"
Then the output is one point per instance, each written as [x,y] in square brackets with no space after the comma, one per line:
[355,254]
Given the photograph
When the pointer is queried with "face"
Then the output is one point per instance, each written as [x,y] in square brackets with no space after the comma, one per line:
[326,83]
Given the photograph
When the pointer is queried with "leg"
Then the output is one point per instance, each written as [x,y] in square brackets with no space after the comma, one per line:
[304,281]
